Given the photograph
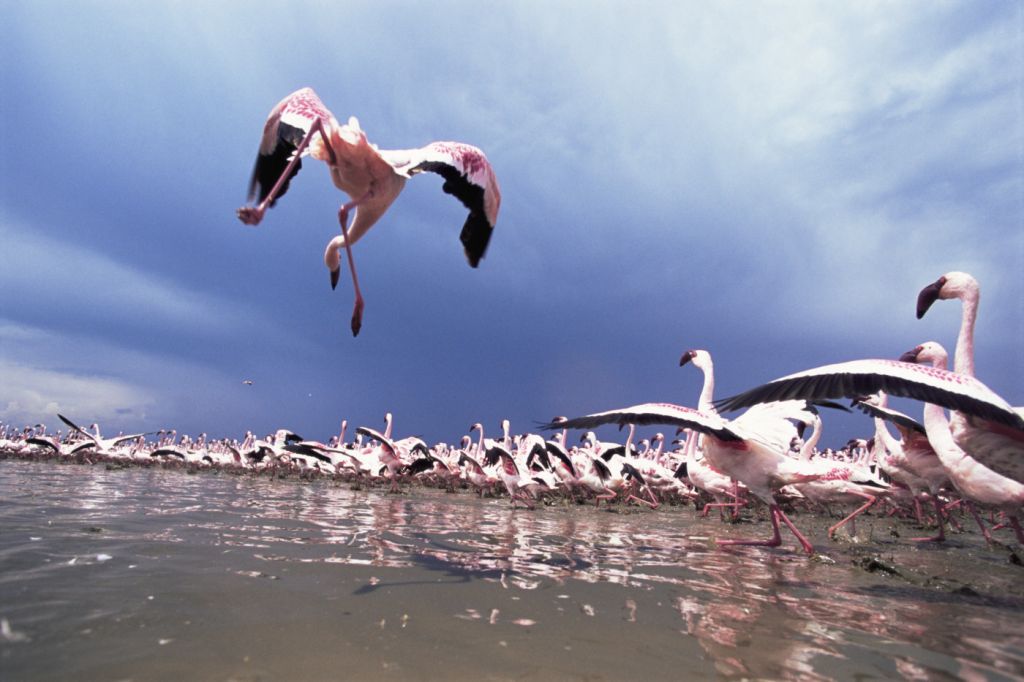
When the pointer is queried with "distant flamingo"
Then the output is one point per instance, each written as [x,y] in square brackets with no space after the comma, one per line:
[301,125]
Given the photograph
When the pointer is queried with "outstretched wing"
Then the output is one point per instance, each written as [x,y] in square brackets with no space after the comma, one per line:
[468,176]
[652,413]
[888,414]
[287,126]
[861,377]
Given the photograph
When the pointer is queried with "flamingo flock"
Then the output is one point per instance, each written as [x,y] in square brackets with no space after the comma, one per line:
[971,459]
[976,454]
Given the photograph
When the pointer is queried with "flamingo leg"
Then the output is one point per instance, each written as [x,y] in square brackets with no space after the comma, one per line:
[941,535]
[808,547]
[1017,529]
[357,311]
[860,510]
[252,215]
[776,539]
[977,519]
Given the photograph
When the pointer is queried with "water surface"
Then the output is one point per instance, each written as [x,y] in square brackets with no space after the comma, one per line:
[152,574]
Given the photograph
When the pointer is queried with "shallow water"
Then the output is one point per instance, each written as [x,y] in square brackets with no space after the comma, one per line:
[153,574]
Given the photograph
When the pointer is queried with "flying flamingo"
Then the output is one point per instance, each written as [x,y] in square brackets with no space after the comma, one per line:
[301,125]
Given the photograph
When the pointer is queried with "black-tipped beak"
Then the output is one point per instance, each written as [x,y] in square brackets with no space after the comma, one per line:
[800,428]
[910,355]
[334,278]
[687,356]
[929,295]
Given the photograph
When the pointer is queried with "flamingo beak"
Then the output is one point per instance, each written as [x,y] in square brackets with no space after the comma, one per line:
[687,356]
[929,295]
[910,355]
[334,278]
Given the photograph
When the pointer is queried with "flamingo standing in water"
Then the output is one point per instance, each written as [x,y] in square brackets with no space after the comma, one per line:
[751,449]
[301,125]
[996,448]
[971,477]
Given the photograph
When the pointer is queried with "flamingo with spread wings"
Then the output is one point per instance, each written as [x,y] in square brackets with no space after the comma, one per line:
[300,125]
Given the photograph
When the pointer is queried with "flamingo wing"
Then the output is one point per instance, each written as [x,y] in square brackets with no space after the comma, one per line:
[861,377]
[889,414]
[287,126]
[44,442]
[652,413]
[557,451]
[75,427]
[468,176]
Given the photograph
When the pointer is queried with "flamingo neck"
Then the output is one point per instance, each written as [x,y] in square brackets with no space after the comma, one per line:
[963,357]
[812,442]
[707,392]
[884,439]
[936,426]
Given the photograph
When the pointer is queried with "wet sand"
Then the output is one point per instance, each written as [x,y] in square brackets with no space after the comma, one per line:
[148,574]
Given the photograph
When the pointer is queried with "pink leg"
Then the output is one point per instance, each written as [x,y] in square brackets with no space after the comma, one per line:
[917,510]
[1015,523]
[808,547]
[776,539]
[720,506]
[981,524]
[252,215]
[357,311]
[941,535]
[860,510]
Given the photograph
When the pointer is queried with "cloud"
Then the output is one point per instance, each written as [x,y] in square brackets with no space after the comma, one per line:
[33,395]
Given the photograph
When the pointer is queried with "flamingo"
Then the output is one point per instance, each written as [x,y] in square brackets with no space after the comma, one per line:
[301,125]
[847,482]
[104,446]
[971,477]
[750,450]
[518,485]
[910,460]
[388,454]
[996,448]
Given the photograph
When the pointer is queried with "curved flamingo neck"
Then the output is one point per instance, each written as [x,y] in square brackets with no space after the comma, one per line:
[963,355]
[884,440]
[812,442]
[707,392]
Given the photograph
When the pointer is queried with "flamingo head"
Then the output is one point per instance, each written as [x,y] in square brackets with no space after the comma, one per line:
[700,358]
[928,353]
[951,285]
[332,258]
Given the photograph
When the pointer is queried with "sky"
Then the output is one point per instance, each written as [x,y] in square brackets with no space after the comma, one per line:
[770,181]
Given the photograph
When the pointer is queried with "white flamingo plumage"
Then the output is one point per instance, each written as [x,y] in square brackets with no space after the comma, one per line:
[996,448]
[971,477]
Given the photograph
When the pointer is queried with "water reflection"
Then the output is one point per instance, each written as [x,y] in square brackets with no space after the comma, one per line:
[802,617]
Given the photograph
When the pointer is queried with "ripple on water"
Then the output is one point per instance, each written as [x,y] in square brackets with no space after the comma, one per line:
[105,571]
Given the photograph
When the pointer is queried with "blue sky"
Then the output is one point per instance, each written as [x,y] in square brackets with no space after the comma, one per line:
[773,182]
